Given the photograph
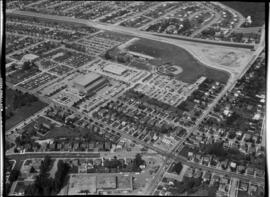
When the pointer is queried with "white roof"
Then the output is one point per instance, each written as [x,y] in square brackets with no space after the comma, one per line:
[30,57]
[84,80]
[226,112]
[233,165]
[257,116]
[116,69]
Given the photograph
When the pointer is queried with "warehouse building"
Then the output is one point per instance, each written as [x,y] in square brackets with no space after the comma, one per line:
[99,183]
[115,69]
[90,83]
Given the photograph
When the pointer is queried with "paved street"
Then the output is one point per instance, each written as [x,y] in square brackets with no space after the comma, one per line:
[173,156]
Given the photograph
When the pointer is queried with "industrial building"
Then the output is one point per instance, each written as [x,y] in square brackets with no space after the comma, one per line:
[97,183]
[90,83]
[115,69]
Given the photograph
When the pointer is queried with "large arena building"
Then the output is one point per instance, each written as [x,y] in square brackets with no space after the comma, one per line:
[90,82]
[115,69]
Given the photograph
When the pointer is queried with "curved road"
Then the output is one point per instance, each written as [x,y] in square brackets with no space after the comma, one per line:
[137,33]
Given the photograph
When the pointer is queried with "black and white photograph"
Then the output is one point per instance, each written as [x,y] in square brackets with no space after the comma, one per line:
[134,98]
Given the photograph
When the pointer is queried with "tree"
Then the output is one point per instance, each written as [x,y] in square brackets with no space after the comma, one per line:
[85,191]
[33,170]
[186,25]
[8,164]
[31,190]
[16,150]
[177,167]
[45,165]
[231,135]
[216,149]
[13,67]
[18,141]
[14,175]
[9,114]
[26,65]
[180,186]
[137,162]
[45,186]
[60,175]
[212,191]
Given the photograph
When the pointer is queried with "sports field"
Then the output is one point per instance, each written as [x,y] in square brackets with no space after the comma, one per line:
[167,53]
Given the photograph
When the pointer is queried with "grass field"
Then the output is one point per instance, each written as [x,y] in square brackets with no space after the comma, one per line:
[21,113]
[167,53]
[65,131]
[254,9]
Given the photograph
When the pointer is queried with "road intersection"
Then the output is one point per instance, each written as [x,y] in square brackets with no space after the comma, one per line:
[172,155]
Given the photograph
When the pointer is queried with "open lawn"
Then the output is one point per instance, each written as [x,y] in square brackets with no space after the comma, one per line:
[23,113]
[254,9]
[65,131]
[20,113]
[114,36]
[167,53]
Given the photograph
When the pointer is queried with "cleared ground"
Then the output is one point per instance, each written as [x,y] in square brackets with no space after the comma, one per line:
[230,58]
[167,53]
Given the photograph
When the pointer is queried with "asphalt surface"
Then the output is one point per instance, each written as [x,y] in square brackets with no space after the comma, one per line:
[119,29]
[137,33]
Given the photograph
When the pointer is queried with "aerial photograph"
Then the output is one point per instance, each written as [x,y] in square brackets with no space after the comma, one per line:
[144,98]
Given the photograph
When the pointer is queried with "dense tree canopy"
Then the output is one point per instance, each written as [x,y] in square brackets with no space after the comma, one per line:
[45,185]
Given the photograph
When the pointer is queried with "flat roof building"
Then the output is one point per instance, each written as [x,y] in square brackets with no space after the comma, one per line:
[95,183]
[90,82]
[115,69]
[83,81]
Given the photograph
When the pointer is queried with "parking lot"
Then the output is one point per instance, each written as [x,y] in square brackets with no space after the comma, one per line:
[37,81]
[69,57]
[96,45]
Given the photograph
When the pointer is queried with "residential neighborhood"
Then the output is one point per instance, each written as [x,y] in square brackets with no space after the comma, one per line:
[135,98]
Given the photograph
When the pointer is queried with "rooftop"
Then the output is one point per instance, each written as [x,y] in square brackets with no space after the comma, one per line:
[84,80]
[29,57]
[116,69]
